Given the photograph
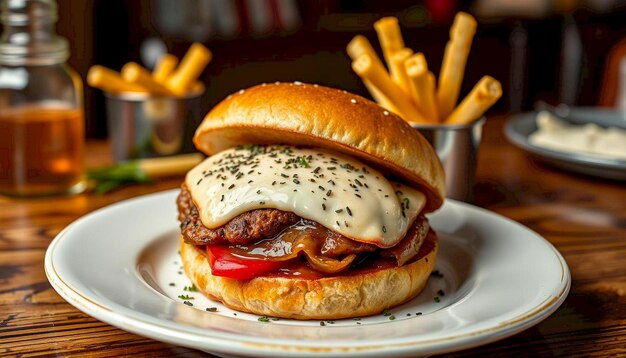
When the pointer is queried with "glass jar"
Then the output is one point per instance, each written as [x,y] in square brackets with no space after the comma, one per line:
[41,109]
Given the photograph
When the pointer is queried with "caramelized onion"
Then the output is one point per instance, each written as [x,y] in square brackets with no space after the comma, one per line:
[310,240]
[327,251]
[410,245]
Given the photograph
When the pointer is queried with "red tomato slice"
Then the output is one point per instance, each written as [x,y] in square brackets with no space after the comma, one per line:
[224,263]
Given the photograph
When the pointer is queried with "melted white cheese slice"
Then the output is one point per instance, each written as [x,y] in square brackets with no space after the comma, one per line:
[335,190]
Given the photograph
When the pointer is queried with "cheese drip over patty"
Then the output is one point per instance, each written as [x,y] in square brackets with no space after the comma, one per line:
[332,189]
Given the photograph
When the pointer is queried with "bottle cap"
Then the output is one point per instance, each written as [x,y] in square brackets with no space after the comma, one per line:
[29,36]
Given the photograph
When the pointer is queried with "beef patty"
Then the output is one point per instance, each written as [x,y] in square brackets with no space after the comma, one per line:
[258,225]
[248,227]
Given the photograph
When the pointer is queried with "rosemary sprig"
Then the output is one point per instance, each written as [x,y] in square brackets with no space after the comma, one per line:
[140,171]
[116,176]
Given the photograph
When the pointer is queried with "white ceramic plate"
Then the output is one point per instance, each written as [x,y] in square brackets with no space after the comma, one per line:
[118,264]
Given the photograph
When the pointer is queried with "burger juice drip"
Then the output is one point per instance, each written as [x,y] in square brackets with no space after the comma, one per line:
[332,189]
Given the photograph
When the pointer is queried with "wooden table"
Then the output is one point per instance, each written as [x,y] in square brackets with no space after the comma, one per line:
[585,218]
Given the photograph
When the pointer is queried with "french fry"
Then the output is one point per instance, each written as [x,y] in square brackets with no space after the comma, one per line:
[110,81]
[194,62]
[134,73]
[454,60]
[376,74]
[389,36]
[396,67]
[379,97]
[422,85]
[197,87]
[360,45]
[174,165]
[164,68]
[357,47]
[484,94]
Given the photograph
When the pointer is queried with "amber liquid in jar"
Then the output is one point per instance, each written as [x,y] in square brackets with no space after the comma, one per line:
[41,150]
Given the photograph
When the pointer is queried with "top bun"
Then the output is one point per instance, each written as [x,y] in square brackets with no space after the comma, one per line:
[312,115]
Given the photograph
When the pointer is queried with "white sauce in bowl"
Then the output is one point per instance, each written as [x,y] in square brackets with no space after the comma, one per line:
[554,133]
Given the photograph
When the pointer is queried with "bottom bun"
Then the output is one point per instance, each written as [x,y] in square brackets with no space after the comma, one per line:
[353,295]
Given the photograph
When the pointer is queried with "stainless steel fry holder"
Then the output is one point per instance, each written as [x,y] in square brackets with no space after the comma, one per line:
[457,148]
[141,125]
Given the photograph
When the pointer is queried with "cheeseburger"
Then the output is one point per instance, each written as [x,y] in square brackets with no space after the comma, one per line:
[310,205]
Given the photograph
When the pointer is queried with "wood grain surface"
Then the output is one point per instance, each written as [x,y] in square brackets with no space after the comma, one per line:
[584,217]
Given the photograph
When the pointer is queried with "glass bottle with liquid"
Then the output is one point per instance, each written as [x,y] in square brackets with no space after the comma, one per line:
[41,110]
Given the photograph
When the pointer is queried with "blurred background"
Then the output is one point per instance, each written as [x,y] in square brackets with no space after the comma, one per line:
[553,51]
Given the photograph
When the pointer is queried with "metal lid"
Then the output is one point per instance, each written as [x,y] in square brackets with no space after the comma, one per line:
[29,36]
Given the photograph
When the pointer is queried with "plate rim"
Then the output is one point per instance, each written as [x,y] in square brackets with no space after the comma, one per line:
[237,343]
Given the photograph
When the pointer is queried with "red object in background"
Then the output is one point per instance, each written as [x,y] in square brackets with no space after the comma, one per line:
[441,11]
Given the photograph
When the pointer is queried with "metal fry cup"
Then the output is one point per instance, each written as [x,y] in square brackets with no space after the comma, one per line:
[457,148]
[141,125]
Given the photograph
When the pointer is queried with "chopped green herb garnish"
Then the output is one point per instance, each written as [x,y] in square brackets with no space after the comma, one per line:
[357,318]
[191,288]
[392,317]
[437,274]
[263,319]
[386,312]
[185,297]
[437,299]
[302,161]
